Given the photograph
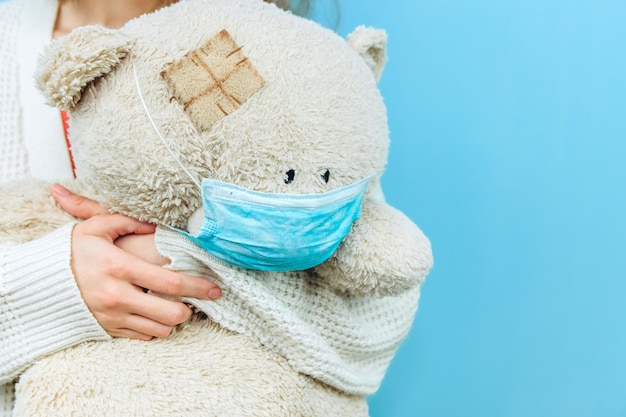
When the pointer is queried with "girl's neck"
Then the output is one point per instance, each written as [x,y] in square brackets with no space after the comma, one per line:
[110,13]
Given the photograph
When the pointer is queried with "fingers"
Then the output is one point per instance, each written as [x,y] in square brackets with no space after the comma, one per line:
[171,283]
[126,311]
[163,316]
[85,208]
[76,205]
[113,226]
[166,313]
[145,313]
[111,280]
[139,327]
[141,274]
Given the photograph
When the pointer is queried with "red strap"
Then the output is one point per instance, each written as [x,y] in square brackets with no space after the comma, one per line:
[66,131]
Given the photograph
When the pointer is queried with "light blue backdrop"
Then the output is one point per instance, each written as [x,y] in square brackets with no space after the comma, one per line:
[508,145]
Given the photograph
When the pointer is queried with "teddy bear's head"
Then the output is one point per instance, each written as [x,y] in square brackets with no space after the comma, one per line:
[243,93]
[238,91]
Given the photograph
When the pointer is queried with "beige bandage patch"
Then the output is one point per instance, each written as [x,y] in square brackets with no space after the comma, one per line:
[212,81]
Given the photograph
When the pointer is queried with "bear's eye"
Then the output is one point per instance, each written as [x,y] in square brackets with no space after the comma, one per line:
[325,176]
[289,175]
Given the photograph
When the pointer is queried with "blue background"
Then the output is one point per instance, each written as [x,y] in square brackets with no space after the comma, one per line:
[507,127]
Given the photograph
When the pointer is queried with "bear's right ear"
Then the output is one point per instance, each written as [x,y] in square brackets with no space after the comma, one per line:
[371,45]
[71,63]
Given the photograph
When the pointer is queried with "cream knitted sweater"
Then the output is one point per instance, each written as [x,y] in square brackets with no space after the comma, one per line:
[41,310]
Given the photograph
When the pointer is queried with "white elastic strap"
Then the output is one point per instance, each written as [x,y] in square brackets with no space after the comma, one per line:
[156,129]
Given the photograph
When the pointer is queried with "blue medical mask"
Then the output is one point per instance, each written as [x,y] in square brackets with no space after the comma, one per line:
[269,231]
[275,232]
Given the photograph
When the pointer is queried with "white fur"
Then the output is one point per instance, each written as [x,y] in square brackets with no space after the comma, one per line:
[202,370]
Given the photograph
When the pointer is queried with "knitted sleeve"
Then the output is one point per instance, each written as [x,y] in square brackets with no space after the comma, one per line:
[41,309]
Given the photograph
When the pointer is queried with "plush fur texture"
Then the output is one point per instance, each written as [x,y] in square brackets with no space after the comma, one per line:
[29,211]
[177,377]
[78,64]
[318,120]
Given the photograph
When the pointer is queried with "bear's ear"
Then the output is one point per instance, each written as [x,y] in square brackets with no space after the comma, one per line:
[71,63]
[371,44]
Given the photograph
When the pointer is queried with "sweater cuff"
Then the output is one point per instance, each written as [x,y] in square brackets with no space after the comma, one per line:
[41,308]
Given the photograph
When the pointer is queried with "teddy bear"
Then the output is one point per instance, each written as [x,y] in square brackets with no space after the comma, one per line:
[256,140]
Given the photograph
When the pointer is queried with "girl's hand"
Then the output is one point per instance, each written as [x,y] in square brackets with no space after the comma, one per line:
[112,278]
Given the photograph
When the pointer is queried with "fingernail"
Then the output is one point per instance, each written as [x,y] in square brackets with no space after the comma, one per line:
[215,293]
[60,190]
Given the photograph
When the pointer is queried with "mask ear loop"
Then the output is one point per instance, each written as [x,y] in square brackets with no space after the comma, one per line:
[158,132]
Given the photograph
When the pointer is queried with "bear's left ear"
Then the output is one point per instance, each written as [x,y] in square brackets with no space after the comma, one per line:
[371,44]
[71,63]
